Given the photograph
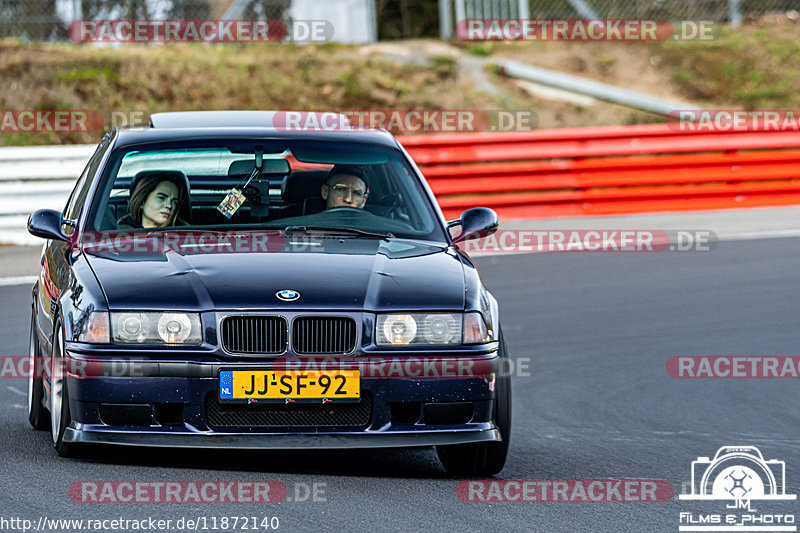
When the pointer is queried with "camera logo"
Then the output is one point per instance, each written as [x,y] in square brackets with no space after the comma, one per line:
[737,476]
[738,473]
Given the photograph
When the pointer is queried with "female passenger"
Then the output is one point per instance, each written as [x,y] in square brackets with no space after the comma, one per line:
[155,201]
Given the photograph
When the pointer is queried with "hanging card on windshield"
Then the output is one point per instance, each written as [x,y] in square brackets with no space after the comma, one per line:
[231,203]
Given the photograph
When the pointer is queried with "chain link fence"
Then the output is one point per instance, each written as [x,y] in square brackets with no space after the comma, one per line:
[48,20]
[733,11]
[717,10]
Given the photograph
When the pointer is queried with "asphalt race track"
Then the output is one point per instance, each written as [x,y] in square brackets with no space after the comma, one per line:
[598,328]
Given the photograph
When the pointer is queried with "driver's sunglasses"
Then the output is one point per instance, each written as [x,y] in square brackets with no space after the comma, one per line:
[341,190]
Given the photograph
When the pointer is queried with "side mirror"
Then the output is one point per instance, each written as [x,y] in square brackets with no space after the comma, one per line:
[46,223]
[475,223]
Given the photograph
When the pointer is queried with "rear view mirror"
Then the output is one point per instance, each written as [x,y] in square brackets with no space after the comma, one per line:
[46,223]
[244,167]
[475,223]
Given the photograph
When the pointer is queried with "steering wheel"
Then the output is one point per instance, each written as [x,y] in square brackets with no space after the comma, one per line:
[394,197]
[344,209]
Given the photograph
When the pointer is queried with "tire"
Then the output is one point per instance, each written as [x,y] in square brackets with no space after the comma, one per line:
[37,415]
[60,417]
[483,459]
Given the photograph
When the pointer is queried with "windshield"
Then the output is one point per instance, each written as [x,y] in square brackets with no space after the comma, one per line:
[320,186]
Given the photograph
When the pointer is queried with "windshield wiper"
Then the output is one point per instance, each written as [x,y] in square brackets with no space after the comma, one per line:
[338,231]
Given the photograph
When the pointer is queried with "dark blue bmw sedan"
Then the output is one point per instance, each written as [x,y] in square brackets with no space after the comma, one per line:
[216,280]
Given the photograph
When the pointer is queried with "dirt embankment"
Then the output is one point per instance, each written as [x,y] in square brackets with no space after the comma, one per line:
[757,66]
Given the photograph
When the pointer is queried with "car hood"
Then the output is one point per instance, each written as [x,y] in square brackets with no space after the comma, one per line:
[343,273]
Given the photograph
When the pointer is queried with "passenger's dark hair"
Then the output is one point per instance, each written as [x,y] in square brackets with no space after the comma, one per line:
[146,184]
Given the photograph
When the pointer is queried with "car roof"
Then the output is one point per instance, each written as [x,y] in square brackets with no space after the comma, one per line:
[188,125]
[227,119]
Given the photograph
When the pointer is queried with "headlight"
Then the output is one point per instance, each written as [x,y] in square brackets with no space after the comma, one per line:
[397,329]
[156,328]
[441,329]
[175,328]
[419,329]
[131,327]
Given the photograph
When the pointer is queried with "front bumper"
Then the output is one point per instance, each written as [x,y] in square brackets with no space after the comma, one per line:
[279,441]
[191,385]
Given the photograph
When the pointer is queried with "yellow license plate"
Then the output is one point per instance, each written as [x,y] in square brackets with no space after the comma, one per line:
[288,386]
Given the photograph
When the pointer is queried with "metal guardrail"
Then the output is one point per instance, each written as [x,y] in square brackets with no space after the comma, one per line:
[36,177]
[587,87]
[610,170]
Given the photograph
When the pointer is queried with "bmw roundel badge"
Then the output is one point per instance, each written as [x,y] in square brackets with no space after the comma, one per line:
[287,295]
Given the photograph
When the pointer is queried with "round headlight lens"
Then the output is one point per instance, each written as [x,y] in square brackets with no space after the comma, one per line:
[132,327]
[441,329]
[174,328]
[399,329]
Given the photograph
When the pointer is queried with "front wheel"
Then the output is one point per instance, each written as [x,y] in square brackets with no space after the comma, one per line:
[484,458]
[60,417]
[36,412]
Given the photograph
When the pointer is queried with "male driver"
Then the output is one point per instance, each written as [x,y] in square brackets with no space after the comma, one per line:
[345,187]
